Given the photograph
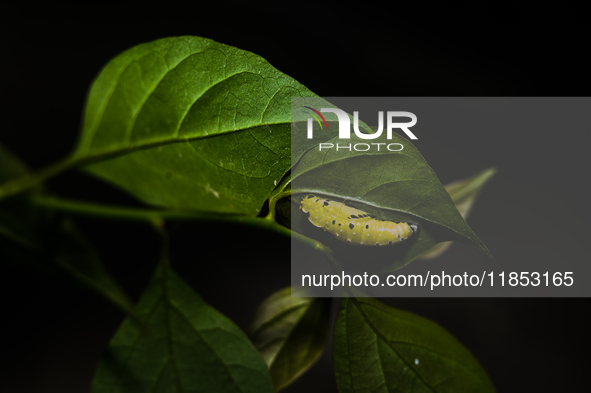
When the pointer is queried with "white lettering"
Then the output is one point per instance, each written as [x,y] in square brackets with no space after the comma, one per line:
[397,144]
[403,126]
[368,136]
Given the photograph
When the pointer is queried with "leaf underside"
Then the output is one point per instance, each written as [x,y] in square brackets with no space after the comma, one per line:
[463,193]
[395,186]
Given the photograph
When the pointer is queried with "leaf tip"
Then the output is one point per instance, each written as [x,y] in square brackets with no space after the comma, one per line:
[480,245]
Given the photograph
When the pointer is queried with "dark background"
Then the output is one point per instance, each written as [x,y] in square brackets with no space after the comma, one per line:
[54,332]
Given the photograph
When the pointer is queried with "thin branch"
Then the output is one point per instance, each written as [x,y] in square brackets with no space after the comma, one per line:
[28,181]
[155,215]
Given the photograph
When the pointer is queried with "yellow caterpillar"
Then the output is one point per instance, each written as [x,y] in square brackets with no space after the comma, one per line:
[352,225]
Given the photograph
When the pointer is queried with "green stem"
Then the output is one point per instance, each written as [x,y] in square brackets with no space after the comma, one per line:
[23,183]
[273,203]
[150,215]
[327,252]
[155,217]
[105,211]
[158,226]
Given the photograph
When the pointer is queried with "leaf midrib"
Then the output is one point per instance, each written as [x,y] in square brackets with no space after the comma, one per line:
[289,334]
[99,156]
[275,317]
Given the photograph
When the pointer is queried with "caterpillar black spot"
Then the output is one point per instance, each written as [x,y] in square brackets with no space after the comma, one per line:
[359,227]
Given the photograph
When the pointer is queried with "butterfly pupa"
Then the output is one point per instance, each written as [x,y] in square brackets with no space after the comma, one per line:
[352,225]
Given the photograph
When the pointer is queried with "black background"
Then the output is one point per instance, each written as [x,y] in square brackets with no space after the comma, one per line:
[54,333]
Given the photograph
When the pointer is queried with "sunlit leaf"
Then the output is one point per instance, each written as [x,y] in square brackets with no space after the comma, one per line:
[187,122]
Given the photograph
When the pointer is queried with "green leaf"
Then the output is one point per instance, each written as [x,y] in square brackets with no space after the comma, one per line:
[186,122]
[76,256]
[463,193]
[381,349]
[396,186]
[290,333]
[50,241]
[187,346]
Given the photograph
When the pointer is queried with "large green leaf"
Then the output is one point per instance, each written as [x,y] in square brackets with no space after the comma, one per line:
[463,193]
[50,241]
[380,349]
[290,333]
[187,122]
[187,346]
[397,186]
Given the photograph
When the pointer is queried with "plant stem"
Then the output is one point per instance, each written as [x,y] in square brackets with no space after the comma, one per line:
[273,202]
[23,183]
[155,217]
[151,215]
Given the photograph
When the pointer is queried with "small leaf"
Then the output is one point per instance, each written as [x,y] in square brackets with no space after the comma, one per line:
[463,193]
[397,186]
[76,256]
[49,241]
[290,333]
[379,348]
[186,122]
[187,346]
